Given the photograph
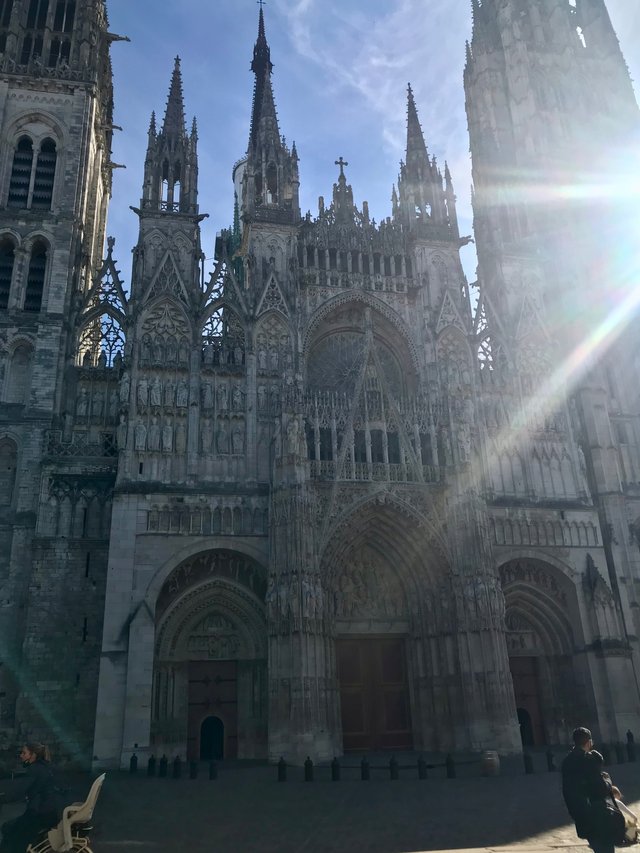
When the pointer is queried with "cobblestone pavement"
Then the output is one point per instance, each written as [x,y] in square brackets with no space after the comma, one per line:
[246,809]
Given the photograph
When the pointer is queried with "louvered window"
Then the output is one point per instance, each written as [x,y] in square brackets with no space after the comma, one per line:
[35,278]
[7,257]
[65,16]
[21,173]
[45,176]
[33,39]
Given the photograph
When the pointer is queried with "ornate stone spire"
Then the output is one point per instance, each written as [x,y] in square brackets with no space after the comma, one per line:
[264,109]
[174,121]
[416,147]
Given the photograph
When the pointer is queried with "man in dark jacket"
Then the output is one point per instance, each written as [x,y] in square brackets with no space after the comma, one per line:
[586,791]
[39,790]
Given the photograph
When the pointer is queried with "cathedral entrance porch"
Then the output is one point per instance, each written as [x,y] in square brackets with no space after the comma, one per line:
[374,696]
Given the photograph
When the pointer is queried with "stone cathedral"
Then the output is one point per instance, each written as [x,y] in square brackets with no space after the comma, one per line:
[326,496]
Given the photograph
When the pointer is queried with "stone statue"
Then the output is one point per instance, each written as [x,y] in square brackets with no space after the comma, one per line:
[237,441]
[182,395]
[293,432]
[167,437]
[238,355]
[121,433]
[262,359]
[102,360]
[154,435]
[172,351]
[158,351]
[236,398]
[207,353]
[143,395]
[125,386]
[82,406]
[181,438]
[222,441]
[169,394]
[207,396]
[155,393]
[262,398]
[223,398]
[97,405]
[140,436]
[145,355]
[274,359]
[183,352]
[206,436]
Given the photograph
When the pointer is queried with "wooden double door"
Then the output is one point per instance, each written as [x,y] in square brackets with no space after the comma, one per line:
[526,689]
[374,696]
[213,710]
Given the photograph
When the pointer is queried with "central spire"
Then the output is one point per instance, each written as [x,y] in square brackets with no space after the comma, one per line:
[263,102]
[416,147]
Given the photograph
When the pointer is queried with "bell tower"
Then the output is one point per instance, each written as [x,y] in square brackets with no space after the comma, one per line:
[56,123]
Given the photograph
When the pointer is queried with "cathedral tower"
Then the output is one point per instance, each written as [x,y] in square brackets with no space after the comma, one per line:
[56,105]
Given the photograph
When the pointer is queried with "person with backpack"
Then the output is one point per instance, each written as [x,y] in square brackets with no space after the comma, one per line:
[39,789]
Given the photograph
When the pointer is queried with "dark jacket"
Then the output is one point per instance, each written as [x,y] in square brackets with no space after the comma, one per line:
[38,787]
[585,791]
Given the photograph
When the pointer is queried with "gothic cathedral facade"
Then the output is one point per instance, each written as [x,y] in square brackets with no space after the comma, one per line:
[326,497]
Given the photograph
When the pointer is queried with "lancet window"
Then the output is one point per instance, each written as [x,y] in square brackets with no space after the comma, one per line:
[29,187]
[18,385]
[36,277]
[6,7]
[7,259]
[101,342]
[8,464]
[32,44]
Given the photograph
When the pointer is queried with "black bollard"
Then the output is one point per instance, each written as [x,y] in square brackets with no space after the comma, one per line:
[528,763]
[606,753]
[193,770]
[308,770]
[619,752]
[422,767]
[162,767]
[133,764]
[151,766]
[335,770]
[282,770]
[365,770]
[631,746]
[551,767]
[450,764]
[393,768]
[213,770]
[177,767]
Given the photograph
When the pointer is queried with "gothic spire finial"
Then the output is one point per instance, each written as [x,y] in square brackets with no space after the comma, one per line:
[174,122]
[416,147]
[261,65]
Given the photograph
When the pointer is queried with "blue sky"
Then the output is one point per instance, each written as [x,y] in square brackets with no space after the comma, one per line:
[340,73]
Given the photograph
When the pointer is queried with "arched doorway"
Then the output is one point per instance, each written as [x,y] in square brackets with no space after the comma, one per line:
[526,727]
[212,739]
[540,602]
[211,658]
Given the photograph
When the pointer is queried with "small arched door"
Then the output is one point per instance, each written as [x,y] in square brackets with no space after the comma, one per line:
[526,727]
[212,739]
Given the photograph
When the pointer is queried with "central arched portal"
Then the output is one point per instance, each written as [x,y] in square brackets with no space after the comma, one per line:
[373,568]
[210,668]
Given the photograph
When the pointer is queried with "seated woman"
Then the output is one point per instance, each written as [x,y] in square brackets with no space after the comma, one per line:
[39,790]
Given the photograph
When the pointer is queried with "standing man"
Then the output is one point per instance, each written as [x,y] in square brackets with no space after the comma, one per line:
[586,792]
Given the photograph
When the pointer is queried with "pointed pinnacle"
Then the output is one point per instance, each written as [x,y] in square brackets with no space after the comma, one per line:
[174,122]
[416,146]
[194,128]
[152,124]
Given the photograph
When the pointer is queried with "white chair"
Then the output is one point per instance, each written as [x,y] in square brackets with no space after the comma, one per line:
[61,838]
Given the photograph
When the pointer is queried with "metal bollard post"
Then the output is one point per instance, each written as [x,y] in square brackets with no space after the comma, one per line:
[193,770]
[365,770]
[619,752]
[177,767]
[451,766]
[528,763]
[308,770]
[631,746]
[151,766]
[213,770]
[551,767]
[282,770]
[422,767]
[133,764]
[606,752]
[335,770]
[162,767]
[393,768]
